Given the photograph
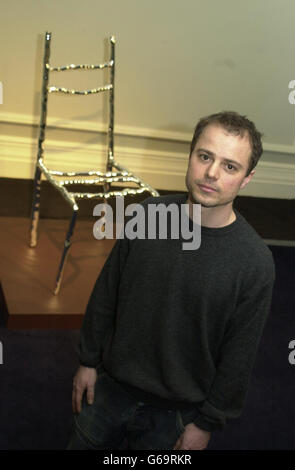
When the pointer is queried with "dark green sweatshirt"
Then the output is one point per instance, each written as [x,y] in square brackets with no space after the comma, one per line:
[182,326]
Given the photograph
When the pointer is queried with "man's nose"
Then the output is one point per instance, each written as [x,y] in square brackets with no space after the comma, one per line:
[213,171]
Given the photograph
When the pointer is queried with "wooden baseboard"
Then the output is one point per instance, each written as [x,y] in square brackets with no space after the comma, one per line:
[44,322]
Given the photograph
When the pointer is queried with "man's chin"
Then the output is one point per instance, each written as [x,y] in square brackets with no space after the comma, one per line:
[195,199]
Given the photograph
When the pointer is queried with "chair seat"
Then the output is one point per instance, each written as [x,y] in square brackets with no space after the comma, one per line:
[98,178]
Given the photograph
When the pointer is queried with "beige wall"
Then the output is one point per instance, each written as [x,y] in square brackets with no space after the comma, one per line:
[176,61]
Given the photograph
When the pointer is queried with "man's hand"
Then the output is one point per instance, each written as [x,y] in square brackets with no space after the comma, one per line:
[84,379]
[193,438]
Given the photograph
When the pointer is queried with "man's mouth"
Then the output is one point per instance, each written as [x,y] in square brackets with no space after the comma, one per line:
[207,189]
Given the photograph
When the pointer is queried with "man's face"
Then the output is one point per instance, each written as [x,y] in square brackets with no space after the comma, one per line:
[218,166]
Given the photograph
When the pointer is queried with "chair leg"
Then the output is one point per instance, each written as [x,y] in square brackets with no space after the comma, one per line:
[35,208]
[67,246]
[106,188]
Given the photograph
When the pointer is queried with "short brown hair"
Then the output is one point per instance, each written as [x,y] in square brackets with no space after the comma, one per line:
[234,123]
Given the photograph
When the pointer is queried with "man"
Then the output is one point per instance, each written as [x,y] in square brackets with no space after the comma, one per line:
[169,337]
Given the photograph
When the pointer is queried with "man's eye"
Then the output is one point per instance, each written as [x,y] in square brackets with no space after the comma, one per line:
[230,167]
[204,156]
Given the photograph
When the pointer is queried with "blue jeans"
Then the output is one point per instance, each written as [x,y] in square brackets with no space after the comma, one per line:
[117,421]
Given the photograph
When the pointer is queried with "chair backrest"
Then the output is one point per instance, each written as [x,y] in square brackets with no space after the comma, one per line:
[47,69]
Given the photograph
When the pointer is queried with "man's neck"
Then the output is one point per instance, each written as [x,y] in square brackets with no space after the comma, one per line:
[215,217]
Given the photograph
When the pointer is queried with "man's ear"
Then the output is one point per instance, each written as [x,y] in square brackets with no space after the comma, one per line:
[247,179]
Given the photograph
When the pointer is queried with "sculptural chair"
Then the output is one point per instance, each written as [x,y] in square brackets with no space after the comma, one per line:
[61,180]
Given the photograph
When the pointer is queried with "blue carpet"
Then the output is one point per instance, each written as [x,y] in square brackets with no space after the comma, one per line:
[36,387]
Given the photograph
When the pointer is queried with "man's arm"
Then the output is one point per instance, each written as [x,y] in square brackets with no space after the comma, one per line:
[100,313]
[97,323]
[236,358]
[235,363]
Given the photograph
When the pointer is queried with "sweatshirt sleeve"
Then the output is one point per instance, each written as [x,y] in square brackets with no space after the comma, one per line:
[236,358]
[100,313]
